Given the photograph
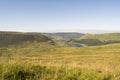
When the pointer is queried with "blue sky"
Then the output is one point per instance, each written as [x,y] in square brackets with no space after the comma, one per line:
[59,15]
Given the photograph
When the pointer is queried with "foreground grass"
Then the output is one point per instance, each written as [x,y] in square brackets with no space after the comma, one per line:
[37,72]
[67,63]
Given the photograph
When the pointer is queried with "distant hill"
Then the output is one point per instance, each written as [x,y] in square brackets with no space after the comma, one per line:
[108,36]
[64,36]
[12,38]
[98,39]
[64,39]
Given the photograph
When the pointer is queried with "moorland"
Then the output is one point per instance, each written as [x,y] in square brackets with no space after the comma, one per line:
[59,56]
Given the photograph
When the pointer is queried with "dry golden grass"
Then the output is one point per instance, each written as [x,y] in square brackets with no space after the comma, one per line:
[67,63]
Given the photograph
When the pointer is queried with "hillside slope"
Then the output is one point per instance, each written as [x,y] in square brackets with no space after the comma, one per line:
[12,38]
[109,36]
[98,39]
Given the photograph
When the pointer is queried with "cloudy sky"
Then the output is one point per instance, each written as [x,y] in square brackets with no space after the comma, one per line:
[59,15]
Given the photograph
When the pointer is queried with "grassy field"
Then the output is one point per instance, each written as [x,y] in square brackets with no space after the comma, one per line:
[41,62]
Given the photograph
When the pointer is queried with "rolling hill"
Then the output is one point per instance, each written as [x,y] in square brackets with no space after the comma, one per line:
[98,39]
[70,39]
[108,36]
[12,38]
[39,60]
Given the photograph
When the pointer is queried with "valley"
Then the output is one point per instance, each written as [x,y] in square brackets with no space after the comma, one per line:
[41,57]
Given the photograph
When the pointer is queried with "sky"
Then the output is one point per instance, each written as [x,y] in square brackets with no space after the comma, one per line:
[59,15]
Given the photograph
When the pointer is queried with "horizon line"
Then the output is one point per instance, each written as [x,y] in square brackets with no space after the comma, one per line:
[68,31]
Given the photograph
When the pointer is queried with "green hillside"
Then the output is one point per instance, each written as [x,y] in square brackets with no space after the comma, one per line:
[98,39]
[12,38]
[102,37]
